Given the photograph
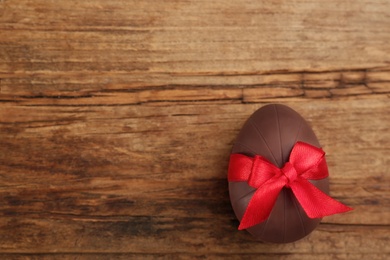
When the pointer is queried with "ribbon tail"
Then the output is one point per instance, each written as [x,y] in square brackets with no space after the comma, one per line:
[261,204]
[316,203]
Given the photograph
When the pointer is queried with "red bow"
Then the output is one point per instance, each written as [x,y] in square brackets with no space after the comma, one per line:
[306,162]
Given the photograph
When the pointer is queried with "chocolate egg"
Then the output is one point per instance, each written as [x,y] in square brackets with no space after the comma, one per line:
[271,132]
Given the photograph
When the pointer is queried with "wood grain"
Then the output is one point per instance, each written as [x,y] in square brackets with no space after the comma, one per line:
[117,119]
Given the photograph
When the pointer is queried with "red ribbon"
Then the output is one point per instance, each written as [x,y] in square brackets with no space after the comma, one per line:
[306,162]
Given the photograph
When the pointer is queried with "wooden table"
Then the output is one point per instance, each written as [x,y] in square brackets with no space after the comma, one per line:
[117,119]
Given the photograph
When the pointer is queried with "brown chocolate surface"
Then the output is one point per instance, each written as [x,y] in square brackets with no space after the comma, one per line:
[271,132]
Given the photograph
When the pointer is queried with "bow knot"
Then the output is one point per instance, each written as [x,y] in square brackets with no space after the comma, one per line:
[306,162]
[289,173]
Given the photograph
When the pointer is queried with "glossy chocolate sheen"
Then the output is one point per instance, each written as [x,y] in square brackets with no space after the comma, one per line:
[271,132]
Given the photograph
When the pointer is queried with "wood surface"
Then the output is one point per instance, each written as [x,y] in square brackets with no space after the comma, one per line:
[117,119]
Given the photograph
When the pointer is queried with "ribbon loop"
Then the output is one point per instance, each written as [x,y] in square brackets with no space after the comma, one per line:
[266,169]
[306,162]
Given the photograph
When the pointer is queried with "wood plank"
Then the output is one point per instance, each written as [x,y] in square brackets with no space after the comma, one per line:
[76,89]
[164,235]
[234,36]
[265,256]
